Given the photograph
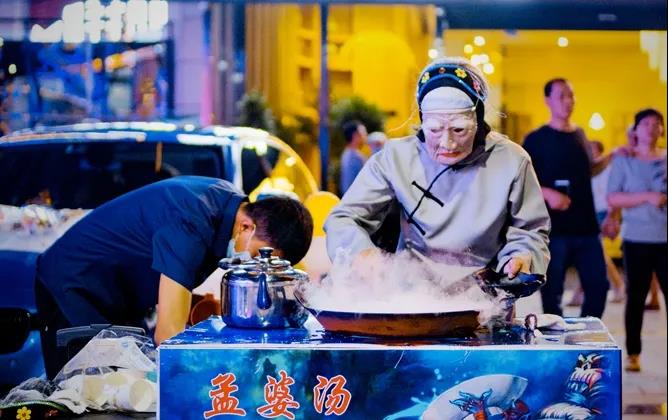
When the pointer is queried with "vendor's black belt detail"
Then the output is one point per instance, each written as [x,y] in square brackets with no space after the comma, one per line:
[425,193]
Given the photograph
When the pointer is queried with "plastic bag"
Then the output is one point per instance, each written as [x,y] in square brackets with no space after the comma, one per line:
[115,371]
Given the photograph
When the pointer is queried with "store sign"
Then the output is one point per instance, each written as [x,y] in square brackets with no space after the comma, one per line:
[89,20]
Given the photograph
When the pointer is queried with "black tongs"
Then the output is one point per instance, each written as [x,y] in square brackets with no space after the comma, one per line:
[523,284]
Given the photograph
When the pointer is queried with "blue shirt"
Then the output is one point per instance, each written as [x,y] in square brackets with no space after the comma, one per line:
[352,162]
[114,256]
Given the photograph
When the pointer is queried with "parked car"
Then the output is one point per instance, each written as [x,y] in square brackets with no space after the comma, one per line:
[84,165]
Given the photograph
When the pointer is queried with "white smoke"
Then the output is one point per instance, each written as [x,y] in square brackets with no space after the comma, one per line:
[398,284]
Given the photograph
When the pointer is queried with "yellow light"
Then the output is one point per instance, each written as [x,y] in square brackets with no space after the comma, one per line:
[97,64]
[488,68]
[12,69]
[562,42]
[479,40]
[596,122]
[433,53]
[478,59]
[468,49]
[290,162]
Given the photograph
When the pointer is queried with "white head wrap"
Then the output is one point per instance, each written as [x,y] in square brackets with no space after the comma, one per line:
[446,99]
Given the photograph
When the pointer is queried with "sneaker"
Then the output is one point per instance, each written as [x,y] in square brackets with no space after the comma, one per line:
[633,363]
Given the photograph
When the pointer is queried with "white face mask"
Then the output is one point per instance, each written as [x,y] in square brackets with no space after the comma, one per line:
[242,255]
[449,137]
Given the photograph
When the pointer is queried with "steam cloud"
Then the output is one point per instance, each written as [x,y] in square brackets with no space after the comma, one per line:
[399,283]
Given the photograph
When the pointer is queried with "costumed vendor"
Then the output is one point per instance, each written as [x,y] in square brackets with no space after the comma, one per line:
[467,196]
[153,246]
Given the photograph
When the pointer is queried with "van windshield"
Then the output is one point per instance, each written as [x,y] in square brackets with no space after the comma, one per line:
[86,175]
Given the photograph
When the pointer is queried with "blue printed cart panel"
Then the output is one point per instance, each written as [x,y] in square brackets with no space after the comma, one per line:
[212,371]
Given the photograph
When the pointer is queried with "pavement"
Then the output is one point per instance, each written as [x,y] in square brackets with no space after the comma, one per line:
[643,391]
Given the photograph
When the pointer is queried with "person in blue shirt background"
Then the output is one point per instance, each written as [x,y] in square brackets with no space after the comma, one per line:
[352,159]
[153,246]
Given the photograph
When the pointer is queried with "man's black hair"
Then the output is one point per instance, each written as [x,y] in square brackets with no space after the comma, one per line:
[641,115]
[547,90]
[349,129]
[284,223]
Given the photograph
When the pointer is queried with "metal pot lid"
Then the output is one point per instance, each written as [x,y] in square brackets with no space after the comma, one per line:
[274,267]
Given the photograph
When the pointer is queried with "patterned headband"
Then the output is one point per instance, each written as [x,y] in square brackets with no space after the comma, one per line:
[451,75]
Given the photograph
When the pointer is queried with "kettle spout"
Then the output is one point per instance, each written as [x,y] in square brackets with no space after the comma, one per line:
[263,299]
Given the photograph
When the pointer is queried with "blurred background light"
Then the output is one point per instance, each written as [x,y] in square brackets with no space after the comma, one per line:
[478,59]
[596,122]
[73,23]
[479,40]
[488,68]
[134,20]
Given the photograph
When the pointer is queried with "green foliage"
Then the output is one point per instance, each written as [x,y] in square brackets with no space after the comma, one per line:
[297,131]
[255,112]
[353,108]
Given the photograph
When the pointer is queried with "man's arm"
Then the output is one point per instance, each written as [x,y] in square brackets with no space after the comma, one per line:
[627,200]
[555,199]
[173,309]
[599,165]
[362,209]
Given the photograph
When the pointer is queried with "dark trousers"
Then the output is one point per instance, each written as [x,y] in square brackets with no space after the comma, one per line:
[586,255]
[640,261]
[52,319]
[82,312]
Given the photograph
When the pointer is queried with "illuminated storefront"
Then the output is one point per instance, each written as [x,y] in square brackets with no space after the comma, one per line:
[102,61]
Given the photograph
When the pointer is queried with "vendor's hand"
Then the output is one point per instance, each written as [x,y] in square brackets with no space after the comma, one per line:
[370,253]
[556,200]
[517,265]
[368,262]
[368,256]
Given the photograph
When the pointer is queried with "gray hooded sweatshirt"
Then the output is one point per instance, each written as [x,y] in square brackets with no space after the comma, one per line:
[480,212]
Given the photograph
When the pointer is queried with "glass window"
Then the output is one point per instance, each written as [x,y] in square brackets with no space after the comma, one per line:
[85,175]
[266,169]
